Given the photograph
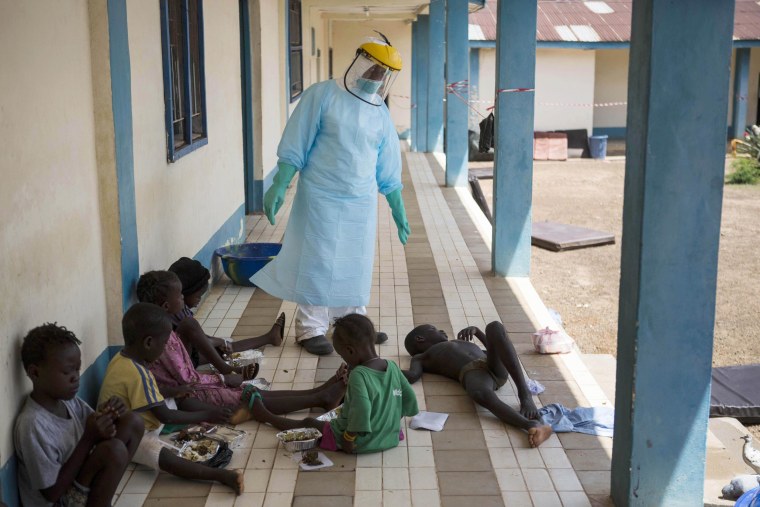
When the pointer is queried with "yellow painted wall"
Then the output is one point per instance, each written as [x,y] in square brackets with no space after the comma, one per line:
[611,85]
[51,265]
[348,35]
[181,205]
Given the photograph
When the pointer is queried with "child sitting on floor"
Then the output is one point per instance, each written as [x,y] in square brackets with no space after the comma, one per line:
[146,329]
[202,347]
[67,453]
[176,375]
[377,397]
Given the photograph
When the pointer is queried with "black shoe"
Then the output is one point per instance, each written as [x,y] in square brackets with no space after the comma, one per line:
[381,338]
[317,345]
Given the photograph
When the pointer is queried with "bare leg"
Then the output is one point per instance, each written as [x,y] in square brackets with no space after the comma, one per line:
[500,348]
[479,387]
[130,430]
[261,414]
[273,337]
[281,403]
[173,464]
[103,470]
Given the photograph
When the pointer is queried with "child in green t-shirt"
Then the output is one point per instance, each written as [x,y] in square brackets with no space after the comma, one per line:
[377,397]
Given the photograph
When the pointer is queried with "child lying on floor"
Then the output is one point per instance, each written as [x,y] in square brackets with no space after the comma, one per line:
[67,453]
[146,329]
[176,375]
[377,396]
[479,373]
[202,347]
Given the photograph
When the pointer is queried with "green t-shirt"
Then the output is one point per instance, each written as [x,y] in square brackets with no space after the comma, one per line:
[373,407]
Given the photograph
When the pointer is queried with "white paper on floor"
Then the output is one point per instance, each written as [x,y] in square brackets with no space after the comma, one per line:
[428,421]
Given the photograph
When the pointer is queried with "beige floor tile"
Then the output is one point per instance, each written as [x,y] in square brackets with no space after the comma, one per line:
[170,486]
[418,438]
[462,421]
[462,460]
[449,387]
[198,501]
[397,498]
[368,499]
[284,460]
[278,500]
[325,483]
[421,457]
[369,460]
[502,457]
[264,440]
[323,501]
[369,479]
[256,481]
[261,458]
[529,458]
[481,501]
[510,479]
[565,479]
[517,499]
[123,482]
[589,459]
[250,500]
[221,500]
[448,403]
[574,499]
[425,498]
[131,499]
[595,483]
[140,482]
[545,499]
[423,478]
[282,481]
[467,483]
[498,438]
[395,458]
[458,439]
[537,479]
[395,478]
[555,457]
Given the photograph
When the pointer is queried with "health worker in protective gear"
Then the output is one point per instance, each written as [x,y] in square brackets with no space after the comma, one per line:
[342,142]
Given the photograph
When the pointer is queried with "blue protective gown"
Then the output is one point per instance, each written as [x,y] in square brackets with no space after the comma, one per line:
[346,151]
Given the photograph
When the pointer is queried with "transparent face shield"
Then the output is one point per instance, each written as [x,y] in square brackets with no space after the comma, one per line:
[368,80]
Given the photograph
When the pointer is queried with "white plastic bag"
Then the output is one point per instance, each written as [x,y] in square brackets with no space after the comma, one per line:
[550,341]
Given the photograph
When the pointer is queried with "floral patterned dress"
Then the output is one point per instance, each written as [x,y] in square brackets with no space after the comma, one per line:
[174,368]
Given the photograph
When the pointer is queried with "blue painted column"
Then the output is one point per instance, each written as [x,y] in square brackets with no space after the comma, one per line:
[741,89]
[415,78]
[436,79]
[676,143]
[513,159]
[421,86]
[475,75]
[457,92]
[121,96]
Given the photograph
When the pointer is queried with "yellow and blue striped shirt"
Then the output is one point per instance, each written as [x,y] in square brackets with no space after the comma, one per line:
[135,385]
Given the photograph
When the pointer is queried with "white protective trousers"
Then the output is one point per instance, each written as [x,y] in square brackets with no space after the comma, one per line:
[313,321]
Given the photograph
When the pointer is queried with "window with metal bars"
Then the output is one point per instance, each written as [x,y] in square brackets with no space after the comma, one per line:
[184,76]
[295,46]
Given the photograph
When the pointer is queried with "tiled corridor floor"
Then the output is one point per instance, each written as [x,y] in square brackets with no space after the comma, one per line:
[440,277]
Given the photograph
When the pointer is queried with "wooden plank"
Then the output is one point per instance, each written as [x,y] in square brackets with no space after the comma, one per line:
[558,237]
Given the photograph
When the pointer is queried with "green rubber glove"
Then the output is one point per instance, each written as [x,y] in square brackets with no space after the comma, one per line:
[275,196]
[396,202]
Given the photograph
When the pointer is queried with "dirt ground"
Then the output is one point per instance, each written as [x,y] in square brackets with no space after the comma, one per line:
[582,285]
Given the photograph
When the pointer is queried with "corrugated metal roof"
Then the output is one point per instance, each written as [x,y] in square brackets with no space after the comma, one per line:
[601,21]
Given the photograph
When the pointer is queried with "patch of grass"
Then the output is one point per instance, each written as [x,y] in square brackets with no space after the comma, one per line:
[746,171]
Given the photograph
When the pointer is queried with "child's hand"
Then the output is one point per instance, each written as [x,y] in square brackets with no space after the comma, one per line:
[467,333]
[342,373]
[249,371]
[233,380]
[100,426]
[116,406]
[220,415]
[184,391]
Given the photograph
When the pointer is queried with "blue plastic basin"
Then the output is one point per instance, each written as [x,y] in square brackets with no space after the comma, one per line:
[241,262]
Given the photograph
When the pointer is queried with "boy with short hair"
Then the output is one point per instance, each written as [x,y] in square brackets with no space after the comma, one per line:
[479,373]
[68,454]
[146,328]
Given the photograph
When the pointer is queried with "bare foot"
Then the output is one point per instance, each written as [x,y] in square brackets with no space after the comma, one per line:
[332,396]
[277,333]
[528,408]
[539,434]
[234,480]
[240,415]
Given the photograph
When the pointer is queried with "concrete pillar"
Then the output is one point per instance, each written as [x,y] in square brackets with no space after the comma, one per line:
[741,89]
[436,79]
[420,84]
[475,74]
[415,68]
[676,135]
[457,92]
[513,160]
